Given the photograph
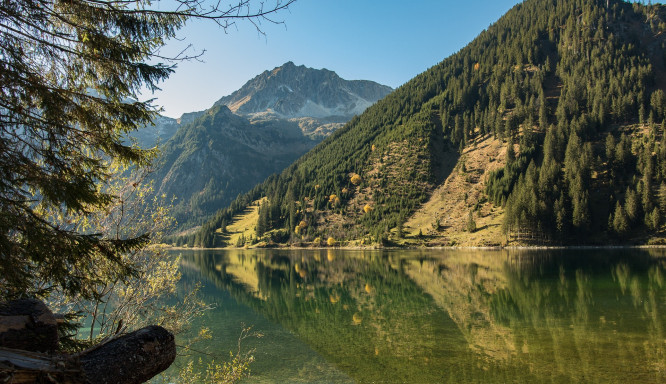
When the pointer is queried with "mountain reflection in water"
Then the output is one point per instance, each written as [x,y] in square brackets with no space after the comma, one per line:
[434,316]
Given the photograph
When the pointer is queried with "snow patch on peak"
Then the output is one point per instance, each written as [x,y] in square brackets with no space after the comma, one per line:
[316,110]
[283,86]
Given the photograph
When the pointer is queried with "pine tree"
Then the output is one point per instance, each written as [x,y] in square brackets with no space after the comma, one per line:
[652,220]
[263,221]
[510,152]
[400,228]
[69,70]
[631,204]
[293,220]
[543,110]
[620,220]
[471,224]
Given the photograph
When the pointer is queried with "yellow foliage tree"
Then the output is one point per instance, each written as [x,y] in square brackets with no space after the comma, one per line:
[334,199]
[367,208]
[331,242]
[300,227]
[355,179]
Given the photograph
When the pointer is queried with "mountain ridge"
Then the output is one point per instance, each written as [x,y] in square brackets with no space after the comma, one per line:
[292,91]
[217,154]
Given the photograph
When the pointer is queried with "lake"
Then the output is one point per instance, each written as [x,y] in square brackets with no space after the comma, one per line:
[432,316]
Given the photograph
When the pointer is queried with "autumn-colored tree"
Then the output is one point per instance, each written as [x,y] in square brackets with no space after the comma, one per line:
[355,179]
[300,227]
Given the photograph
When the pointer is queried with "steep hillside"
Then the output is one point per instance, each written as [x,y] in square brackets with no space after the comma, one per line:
[573,89]
[221,155]
[217,154]
[162,129]
[444,218]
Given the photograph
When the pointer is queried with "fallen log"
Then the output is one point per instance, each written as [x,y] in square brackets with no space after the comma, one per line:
[130,359]
[29,351]
[133,358]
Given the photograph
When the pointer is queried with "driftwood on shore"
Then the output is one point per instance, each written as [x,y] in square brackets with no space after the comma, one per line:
[29,351]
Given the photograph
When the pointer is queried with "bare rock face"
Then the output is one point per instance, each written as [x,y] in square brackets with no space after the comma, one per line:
[292,91]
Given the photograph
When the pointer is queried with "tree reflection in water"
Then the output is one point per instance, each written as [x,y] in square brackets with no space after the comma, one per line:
[467,316]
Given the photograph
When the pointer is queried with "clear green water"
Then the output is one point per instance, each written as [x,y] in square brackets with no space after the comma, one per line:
[329,316]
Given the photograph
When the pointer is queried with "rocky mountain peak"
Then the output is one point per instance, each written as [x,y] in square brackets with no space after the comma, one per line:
[292,91]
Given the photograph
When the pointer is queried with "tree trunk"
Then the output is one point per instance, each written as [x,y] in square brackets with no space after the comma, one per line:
[23,367]
[28,324]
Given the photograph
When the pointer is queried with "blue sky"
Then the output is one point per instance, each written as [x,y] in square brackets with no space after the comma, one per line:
[387,41]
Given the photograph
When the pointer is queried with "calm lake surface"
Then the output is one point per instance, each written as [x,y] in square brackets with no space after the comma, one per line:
[506,316]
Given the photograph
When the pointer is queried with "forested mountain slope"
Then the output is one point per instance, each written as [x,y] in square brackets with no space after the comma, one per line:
[217,154]
[221,155]
[574,89]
